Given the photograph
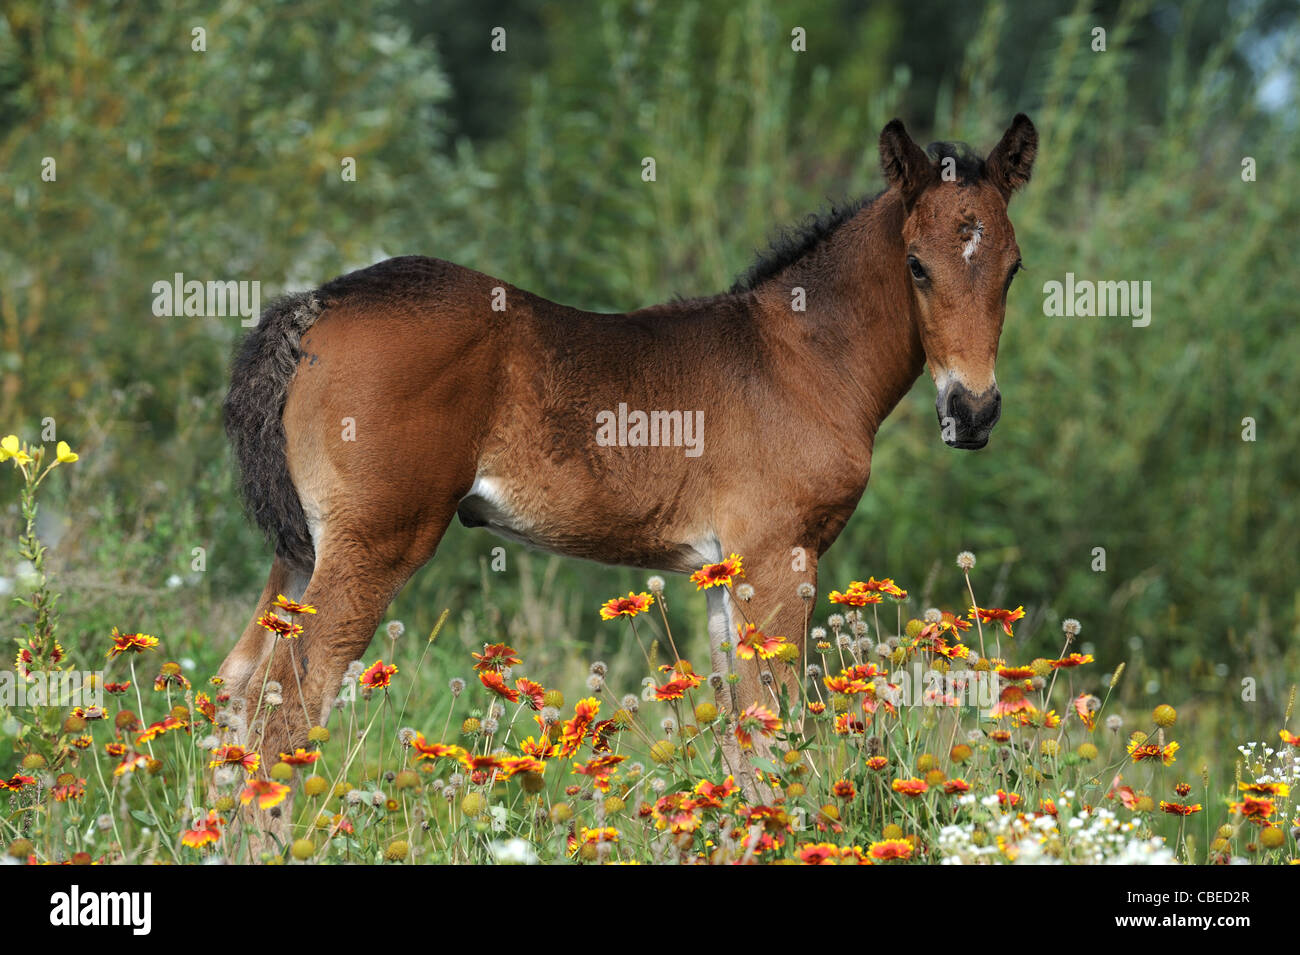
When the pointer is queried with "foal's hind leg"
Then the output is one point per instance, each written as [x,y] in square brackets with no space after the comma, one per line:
[253,646]
[359,570]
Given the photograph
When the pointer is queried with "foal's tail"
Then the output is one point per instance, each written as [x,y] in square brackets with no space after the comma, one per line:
[254,417]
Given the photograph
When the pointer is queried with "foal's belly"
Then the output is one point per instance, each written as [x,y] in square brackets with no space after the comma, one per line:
[577,529]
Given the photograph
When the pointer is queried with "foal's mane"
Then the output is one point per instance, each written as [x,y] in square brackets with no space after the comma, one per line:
[791,243]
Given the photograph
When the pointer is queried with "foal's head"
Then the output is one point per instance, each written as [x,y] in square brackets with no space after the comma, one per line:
[961,254]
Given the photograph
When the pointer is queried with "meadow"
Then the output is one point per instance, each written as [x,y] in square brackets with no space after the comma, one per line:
[942,739]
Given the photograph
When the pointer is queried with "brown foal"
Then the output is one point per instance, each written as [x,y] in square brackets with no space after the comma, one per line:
[367,414]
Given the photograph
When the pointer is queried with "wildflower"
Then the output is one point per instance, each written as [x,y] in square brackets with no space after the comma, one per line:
[911,787]
[276,624]
[718,575]
[533,693]
[677,686]
[855,598]
[130,643]
[575,730]
[599,768]
[1141,751]
[267,793]
[1281,790]
[233,755]
[756,719]
[628,606]
[1010,800]
[130,764]
[513,765]
[820,853]
[1011,701]
[966,560]
[377,676]
[1178,808]
[890,849]
[1164,715]
[844,789]
[68,787]
[1085,707]
[289,606]
[752,642]
[1003,617]
[171,675]
[427,750]
[64,454]
[1290,739]
[494,681]
[10,448]
[203,831]
[605,834]
[157,729]
[956,787]
[1256,810]
[498,656]
[300,757]
[847,724]
[1073,660]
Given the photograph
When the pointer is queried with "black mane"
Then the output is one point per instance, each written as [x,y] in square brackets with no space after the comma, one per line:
[792,243]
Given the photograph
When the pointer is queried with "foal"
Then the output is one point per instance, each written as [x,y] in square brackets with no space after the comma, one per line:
[367,414]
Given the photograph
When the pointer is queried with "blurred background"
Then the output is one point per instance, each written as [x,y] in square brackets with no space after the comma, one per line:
[225,164]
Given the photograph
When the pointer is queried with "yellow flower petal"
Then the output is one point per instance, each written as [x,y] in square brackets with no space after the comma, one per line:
[8,447]
[65,454]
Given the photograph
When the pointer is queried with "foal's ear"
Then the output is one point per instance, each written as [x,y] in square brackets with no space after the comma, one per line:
[1012,159]
[905,163]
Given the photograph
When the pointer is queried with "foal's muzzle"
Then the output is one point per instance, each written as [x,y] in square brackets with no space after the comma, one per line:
[966,419]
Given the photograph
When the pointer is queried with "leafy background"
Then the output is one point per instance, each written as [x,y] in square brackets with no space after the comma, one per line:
[225,164]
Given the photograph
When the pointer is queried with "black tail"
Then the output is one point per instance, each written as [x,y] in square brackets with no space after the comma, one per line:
[254,417]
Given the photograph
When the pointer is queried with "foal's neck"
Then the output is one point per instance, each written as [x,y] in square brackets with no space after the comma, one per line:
[860,328]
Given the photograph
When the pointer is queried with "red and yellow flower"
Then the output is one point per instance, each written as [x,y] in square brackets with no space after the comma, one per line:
[267,792]
[1143,751]
[276,624]
[911,787]
[378,676]
[234,755]
[756,719]
[720,574]
[494,681]
[292,606]
[130,643]
[752,642]
[203,831]
[628,606]
[1004,618]
[497,656]
[888,850]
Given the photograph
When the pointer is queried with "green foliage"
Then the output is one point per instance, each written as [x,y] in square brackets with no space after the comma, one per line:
[225,164]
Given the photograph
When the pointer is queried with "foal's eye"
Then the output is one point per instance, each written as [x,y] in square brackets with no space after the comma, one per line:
[916,268]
